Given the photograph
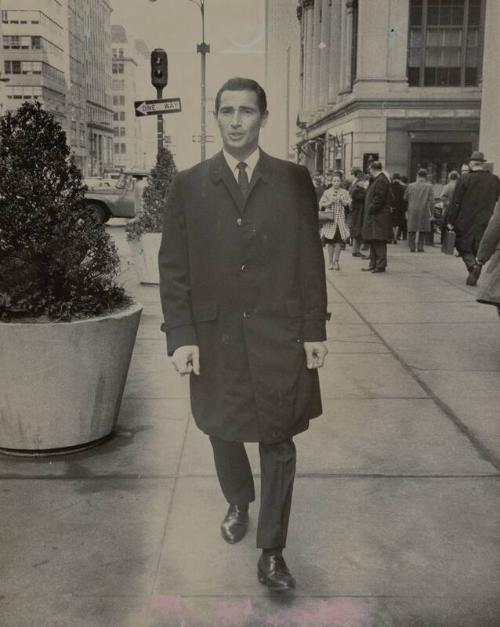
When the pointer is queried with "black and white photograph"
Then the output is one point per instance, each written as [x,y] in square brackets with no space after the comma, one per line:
[213,410]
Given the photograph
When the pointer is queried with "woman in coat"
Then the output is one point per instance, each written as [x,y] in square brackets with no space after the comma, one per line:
[420,197]
[335,201]
[489,250]
[358,192]
[398,189]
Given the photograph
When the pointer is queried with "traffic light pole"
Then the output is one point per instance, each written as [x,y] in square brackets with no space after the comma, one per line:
[159,122]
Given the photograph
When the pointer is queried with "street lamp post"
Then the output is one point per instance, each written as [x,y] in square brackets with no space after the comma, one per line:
[203,49]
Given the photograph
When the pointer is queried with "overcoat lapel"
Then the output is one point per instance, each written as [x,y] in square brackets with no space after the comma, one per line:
[220,172]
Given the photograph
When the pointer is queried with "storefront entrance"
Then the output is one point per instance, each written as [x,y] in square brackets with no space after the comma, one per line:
[438,158]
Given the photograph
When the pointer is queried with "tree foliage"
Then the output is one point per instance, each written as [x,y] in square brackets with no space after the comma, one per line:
[55,260]
[154,198]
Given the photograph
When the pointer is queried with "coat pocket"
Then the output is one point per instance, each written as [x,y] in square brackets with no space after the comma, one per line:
[204,312]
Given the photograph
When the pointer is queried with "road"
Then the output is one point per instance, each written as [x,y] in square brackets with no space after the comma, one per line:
[396,505]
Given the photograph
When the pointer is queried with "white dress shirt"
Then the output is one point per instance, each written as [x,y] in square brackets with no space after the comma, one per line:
[251,162]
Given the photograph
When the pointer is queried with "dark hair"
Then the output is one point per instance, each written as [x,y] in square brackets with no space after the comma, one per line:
[453,175]
[338,174]
[356,172]
[243,84]
[404,179]
[422,173]
[396,176]
[376,165]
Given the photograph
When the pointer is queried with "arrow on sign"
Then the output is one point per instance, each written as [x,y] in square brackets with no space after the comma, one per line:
[155,107]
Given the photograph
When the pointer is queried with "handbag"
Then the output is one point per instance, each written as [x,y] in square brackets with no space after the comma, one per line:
[326,215]
[448,245]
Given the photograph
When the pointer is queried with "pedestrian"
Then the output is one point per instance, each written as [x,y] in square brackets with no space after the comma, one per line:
[358,194]
[447,196]
[243,291]
[377,221]
[335,203]
[328,180]
[464,169]
[489,250]
[318,185]
[473,202]
[420,198]
[399,206]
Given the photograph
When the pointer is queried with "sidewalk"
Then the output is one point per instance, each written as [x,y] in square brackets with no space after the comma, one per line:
[397,499]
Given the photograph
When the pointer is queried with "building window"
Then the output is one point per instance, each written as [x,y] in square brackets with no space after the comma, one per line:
[123,149]
[117,149]
[122,116]
[123,131]
[445,43]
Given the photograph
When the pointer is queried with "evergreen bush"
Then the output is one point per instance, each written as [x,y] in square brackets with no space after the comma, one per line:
[55,260]
[154,198]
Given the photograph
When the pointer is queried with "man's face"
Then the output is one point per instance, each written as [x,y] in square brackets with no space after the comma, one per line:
[239,120]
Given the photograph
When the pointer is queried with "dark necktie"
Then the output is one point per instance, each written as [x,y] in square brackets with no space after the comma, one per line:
[243,178]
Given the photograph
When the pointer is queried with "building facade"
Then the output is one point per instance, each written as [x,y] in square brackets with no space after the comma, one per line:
[34,59]
[395,80]
[282,77]
[489,139]
[129,64]
[76,110]
[99,111]
[59,52]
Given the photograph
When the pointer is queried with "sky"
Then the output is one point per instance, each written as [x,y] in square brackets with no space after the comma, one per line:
[235,30]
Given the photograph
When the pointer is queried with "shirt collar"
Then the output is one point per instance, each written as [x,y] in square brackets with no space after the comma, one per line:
[251,162]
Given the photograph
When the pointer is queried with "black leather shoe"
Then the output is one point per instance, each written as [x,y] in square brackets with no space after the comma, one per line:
[235,524]
[377,270]
[474,273]
[273,572]
[367,269]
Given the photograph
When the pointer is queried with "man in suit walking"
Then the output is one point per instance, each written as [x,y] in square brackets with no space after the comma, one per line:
[243,292]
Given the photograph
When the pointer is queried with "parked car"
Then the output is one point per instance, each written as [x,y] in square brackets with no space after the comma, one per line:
[117,201]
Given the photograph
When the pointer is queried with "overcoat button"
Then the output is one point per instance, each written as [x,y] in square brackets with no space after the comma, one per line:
[243,268]
[239,221]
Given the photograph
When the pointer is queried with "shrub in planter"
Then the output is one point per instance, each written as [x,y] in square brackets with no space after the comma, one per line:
[56,261]
[144,231]
[59,299]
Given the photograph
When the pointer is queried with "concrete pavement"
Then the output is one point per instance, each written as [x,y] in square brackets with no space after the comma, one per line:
[397,500]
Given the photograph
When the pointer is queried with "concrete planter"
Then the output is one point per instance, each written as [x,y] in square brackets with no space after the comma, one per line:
[61,383]
[145,254]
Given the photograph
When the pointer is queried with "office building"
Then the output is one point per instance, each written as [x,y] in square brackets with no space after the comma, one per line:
[396,80]
[130,63]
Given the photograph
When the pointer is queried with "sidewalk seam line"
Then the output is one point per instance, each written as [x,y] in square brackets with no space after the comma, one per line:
[484,452]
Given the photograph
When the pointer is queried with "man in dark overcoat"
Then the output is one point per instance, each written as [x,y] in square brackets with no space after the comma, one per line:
[243,292]
[473,202]
[377,219]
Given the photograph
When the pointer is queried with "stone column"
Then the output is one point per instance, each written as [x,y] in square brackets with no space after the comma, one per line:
[345,53]
[324,53]
[397,52]
[308,19]
[489,137]
[334,51]
[316,40]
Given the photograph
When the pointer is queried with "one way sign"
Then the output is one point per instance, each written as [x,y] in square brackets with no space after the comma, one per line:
[154,107]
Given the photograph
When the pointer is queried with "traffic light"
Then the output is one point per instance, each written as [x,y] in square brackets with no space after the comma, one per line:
[159,68]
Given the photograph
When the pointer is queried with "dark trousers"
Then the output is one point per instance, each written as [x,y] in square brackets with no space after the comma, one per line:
[469,253]
[277,467]
[378,254]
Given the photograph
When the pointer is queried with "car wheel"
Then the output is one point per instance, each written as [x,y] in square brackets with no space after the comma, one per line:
[100,212]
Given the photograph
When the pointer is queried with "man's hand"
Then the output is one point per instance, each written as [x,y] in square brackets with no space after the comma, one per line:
[186,359]
[315,354]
